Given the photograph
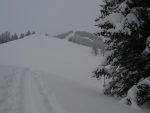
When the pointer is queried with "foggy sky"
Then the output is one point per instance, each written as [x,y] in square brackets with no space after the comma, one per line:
[51,16]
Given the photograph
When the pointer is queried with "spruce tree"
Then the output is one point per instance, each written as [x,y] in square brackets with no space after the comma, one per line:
[14,37]
[22,35]
[125,29]
[28,33]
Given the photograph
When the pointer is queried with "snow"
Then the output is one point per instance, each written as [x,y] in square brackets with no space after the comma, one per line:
[120,21]
[52,55]
[114,19]
[145,81]
[80,37]
[132,94]
[40,74]
[147,49]
[109,1]
[130,19]
[26,91]
[123,7]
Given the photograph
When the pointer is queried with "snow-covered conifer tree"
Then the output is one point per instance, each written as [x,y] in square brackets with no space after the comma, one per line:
[125,26]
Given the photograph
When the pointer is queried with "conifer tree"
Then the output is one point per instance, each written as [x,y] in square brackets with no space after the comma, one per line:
[28,33]
[22,35]
[14,37]
[125,29]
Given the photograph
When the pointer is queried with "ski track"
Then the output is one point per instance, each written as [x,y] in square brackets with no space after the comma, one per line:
[22,92]
[33,98]
[25,91]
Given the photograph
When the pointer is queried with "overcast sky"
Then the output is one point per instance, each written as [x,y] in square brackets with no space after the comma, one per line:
[52,16]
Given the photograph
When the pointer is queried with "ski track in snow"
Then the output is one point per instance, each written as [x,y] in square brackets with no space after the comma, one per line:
[25,91]
[21,92]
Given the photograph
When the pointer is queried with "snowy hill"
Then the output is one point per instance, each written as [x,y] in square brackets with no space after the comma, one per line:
[80,37]
[39,74]
[52,55]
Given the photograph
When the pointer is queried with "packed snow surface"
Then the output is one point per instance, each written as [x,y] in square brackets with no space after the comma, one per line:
[53,55]
[41,74]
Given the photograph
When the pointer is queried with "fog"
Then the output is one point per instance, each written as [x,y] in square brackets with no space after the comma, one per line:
[48,16]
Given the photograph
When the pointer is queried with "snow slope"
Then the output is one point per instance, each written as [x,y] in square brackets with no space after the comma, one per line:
[41,74]
[53,55]
[26,91]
